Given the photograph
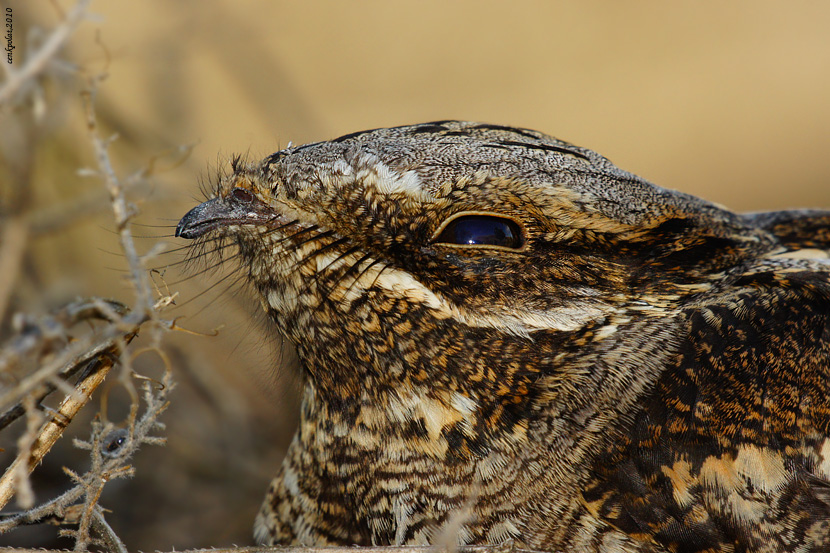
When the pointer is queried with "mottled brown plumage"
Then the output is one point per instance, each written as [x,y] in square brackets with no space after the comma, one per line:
[609,366]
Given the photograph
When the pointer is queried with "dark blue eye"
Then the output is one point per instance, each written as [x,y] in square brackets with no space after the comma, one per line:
[485,230]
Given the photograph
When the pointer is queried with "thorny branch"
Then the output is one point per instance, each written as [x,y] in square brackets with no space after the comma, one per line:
[122,209]
[52,429]
[38,62]
[111,448]
[47,353]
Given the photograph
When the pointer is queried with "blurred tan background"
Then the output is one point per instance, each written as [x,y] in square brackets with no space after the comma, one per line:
[729,101]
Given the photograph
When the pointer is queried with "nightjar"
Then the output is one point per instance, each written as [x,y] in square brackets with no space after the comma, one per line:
[504,336]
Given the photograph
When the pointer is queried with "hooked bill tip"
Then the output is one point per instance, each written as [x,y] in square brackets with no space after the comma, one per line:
[197,221]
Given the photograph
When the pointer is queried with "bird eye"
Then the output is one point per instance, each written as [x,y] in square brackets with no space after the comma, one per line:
[482,230]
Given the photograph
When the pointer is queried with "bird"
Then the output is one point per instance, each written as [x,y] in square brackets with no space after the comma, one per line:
[503,336]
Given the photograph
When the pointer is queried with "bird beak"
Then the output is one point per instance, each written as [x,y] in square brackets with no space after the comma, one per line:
[221,212]
[202,219]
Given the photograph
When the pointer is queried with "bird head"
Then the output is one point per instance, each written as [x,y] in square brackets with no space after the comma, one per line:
[468,264]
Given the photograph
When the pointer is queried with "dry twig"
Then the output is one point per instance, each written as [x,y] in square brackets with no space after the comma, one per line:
[47,353]
[111,449]
[38,62]
[30,457]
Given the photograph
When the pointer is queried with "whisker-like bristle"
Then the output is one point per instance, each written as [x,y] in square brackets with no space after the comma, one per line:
[238,274]
[240,278]
[321,250]
[170,226]
[198,259]
[351,270]
[318,274]
[363,272]
[325,234]
[377,276]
